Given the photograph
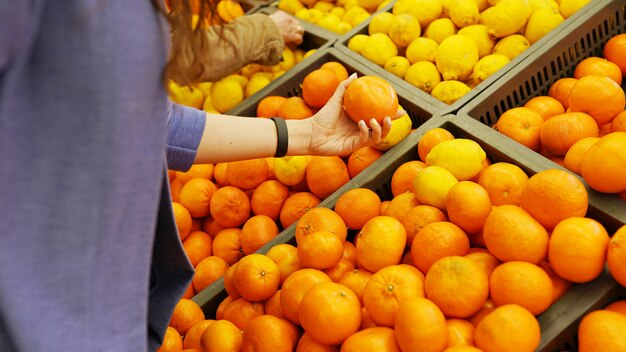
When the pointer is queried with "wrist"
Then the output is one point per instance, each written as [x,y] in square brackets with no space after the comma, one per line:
[299,137]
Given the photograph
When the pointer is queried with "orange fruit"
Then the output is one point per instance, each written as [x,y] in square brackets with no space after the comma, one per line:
[619,122]
[389,286]
[504,182]
[379,339]
[272,306]
[294,108]
[561,90]
[229,282]
[339,307]
[222,335]
[247,174]
[219,312]
[615,51]
[602,330]
[256,232]
[219,173]
[269,106]
[208,271]
[578,249]
[198,245]
[195,196]
[349,252]
[186,314]
[196,224]
[560,286]
[175,187]
[256,277]
[318,87]
[485,260]
[402,179]
[268,199]
[576,153]
[457,285]
[420,326]
[435,241]
[210,226]
[545,106]
[366,320]
[307,344]
[553,195]
[616,256]
[560,132]
[462,349]
[241,311]
[318,219]
[522,125]
[370,97]
[418,217]
[195,171]
[320,250]
[227,245]
[512,234]
[286,257]
[172,341]
[598,66]
[430,140]
[190,292]
[604,164]
[460,333]
[357,206]
[617,306]
[401,204]
[468,206]
[297,205]
[380,243]
[487,308]
[325,174]
[361,159]
[521,283]
[598,96]
[294,288]
[356,280]
[268,333]
[337,271]
[183,220]
[337,68]
[509,328]
[193,337]
[230,206]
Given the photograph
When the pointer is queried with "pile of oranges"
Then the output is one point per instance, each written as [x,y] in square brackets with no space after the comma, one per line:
[469,274]
[581,123]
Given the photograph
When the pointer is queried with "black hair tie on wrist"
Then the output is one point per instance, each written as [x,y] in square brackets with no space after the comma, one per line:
[283,137]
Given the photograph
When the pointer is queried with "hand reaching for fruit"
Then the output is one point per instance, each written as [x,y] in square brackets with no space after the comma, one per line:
[289,28]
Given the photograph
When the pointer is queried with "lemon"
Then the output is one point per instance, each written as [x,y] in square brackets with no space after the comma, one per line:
[456,57]
[342,27]
[353,12]
[208,105]
[541,4]
[424,75]
[226,94]
[291,170]
[462,157]
[506,18]
[287,60]
[463,12]
[309,53]
[350,4]
[482,5]
[402,6]
[380,23]
[328,21]
[511,45]
[383,4]
[298,54]
[421,49]
[493,2]
[303,14]
[400,128]
[277,74]
[250,69]
[440,29]
[487,66]
[357,43]
[398,65]
[290,6]
[379,48]
[360,17]
[323,6]
[257,82]
[403,29]
[541,22]
[369,4]
[478,33]
[315,15]
[432,184]
[450,91]
[426,11]
[338,11]
[205,88]
[186,95]
[243,80]
[568,7]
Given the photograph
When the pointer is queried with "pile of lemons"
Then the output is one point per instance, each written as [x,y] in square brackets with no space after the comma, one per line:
[223,95]
[446,47]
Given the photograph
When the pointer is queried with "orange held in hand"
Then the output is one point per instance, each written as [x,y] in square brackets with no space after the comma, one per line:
[370,97]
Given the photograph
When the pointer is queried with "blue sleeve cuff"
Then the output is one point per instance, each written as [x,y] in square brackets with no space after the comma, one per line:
[185,127]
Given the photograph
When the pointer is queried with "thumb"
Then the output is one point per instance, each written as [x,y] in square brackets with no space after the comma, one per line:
[341,89]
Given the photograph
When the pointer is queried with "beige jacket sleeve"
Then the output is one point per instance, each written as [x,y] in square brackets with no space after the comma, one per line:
[248,39]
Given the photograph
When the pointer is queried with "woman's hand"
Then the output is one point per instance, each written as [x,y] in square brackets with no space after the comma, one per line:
[289,27]
[333,132]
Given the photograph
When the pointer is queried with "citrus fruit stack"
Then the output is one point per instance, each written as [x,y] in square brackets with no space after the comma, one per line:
[462,258]
[445,48]
[581,123]
[601,330]
[338,16]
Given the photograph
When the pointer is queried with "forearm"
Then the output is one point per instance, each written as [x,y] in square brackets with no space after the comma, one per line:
[229,138]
